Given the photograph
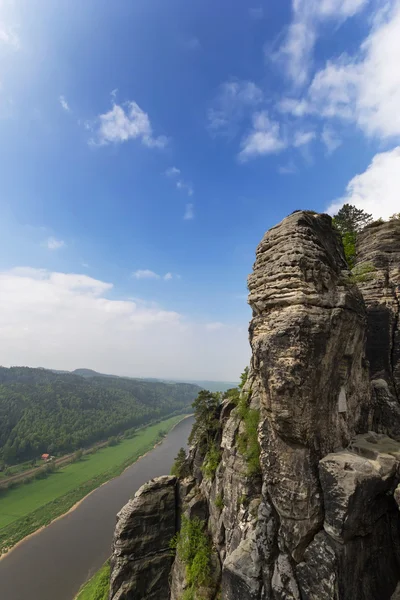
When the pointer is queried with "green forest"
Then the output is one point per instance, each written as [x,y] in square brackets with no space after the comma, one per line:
[46,412]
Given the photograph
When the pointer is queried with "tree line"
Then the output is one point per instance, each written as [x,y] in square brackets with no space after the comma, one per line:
[57,413]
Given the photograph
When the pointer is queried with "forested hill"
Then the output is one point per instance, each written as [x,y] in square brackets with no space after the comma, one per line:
[43,411]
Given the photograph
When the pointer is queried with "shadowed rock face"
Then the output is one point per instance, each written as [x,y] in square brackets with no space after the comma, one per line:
[379,247]
[321,521]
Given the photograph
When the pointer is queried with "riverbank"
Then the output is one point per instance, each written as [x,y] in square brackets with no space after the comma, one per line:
[26,509]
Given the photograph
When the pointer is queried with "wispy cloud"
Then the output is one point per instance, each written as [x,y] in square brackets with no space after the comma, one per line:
[123,123]
[330,139]
[363,88]
[295,53]
[288,169]
[9,37]
[231,105]
[189,212]
[53,243]
[256,13]
[173,172]
[184,186]
[302,138]
[181,184]
[145,274]
[64,103]
[148,274]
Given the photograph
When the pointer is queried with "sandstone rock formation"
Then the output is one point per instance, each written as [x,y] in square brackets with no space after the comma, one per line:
[141,560]
[379,249]
[320,520]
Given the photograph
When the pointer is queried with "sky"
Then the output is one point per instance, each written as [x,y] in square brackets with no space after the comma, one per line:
[145,148]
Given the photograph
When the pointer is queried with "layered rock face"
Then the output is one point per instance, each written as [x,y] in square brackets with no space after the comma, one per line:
[319,521]
[378,250]
[141,560]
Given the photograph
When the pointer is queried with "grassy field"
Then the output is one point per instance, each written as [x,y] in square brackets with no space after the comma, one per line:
[97,587]
[26,508]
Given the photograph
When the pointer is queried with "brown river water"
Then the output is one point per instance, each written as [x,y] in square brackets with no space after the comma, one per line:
[55,562]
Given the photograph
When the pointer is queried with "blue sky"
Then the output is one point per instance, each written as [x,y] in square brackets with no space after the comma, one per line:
[145,148]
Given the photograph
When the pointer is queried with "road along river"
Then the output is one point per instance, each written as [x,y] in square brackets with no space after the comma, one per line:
[53,563]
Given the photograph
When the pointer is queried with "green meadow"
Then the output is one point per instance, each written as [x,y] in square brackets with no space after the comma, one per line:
[26,508]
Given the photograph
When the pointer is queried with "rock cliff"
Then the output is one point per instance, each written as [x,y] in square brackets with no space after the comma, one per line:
[316,518]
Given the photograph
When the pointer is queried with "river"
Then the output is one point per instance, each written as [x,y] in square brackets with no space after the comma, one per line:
[55,562]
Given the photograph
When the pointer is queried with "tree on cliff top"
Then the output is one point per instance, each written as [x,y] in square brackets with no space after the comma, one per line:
[349,221]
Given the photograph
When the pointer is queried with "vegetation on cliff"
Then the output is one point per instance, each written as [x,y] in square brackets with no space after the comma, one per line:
[46,412]
[193,547]
[349,221]
[97,587]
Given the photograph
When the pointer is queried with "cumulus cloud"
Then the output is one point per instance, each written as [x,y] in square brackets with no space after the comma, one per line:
[127,122]
[377,189]
[264,138]
[65,321]
[295,53]
[233,101]
[64,104]
[53,243]
[189,212]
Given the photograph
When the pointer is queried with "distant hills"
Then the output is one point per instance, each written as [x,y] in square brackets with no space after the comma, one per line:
[57,412]
[213,386]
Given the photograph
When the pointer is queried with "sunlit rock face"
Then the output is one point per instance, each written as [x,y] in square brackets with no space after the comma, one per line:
[321,519]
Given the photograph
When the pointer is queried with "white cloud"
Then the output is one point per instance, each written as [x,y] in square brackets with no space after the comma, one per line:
[330,138]
[296,51]
[145,274]
[364,88]
[256,13]
[232,104]
[123,123]
[264,138]
[189,212]
[376,190]
[53,243]
[172,172]
[301,138]
[64,103]
[64,321]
